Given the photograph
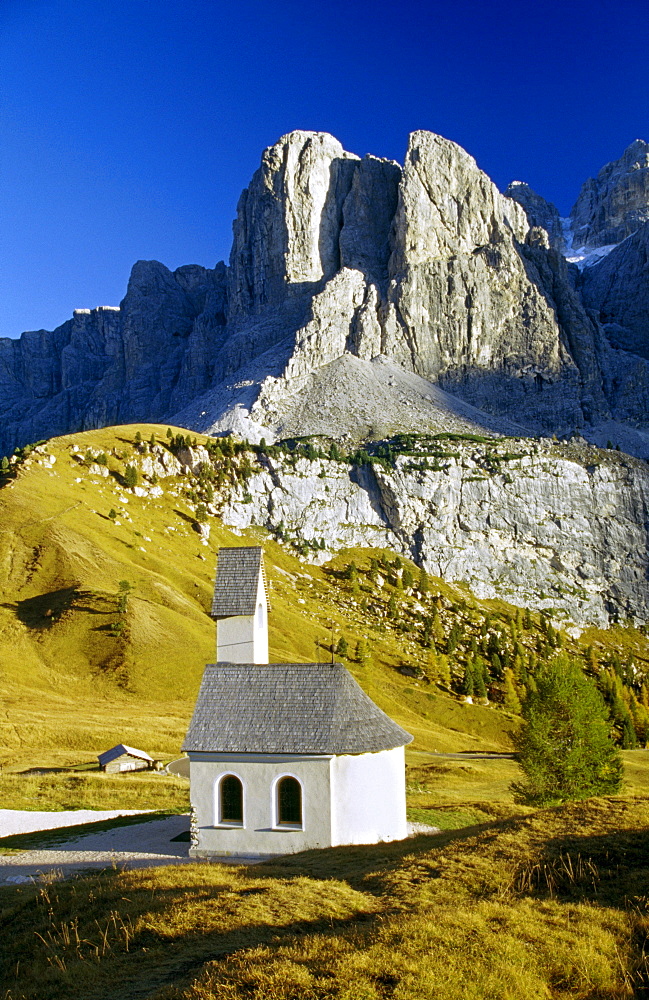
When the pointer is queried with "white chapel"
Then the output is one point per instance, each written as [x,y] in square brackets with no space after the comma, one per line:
[284,757]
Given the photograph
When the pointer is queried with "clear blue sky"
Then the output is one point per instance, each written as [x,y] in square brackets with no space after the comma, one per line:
[129,127]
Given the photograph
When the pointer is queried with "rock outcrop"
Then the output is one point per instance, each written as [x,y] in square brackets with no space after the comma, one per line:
[614,204]
[562,527]
[434,274]
[465,306]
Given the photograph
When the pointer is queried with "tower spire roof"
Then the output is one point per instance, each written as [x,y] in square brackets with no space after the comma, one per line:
[237,581]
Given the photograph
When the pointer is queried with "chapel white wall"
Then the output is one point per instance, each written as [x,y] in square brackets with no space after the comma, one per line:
[368,797]
[259,773]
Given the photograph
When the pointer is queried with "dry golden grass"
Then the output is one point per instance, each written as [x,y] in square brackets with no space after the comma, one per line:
[548,904]
[94,790]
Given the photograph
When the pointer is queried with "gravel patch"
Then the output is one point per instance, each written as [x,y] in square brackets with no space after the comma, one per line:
[415,828]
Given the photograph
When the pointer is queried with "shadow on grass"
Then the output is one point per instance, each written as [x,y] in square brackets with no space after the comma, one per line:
[44,610]
[185,517]
[364,867]
[610,869]
[139,963]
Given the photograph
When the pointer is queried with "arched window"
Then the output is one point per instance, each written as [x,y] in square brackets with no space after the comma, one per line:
[230,800]
[289,801]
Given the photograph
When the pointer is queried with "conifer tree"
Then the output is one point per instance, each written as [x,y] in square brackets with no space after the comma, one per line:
[351,571]
[564,745]
[479,686]
[644,695]
[467,685]
[362,653]
[496,666]
[422,583]
[512,701]
[628,740]
[453,638]
[432,665]
[341,648]
[443,671]
[437,628]
[130,476]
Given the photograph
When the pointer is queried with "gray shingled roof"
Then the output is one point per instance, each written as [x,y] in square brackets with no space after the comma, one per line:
[237,575]
[288,708]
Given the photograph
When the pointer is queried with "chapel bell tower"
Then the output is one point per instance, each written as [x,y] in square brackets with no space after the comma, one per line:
[240,606]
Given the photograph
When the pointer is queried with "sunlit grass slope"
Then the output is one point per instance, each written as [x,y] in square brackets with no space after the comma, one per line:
[82,668]
[545,904]
[71,687]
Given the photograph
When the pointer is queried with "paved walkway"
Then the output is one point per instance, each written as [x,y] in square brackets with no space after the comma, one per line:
[137,846]
[27,821]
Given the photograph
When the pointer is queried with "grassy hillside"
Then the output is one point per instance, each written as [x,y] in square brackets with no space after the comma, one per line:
[539,905]
[104,630]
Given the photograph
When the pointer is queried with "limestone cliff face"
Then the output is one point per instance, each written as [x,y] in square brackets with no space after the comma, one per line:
[618,288]
[614,204]
[431,271]
[286,235]
[114,365]
[464,304]
[560,527]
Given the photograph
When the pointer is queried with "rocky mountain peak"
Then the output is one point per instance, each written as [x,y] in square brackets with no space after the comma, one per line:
[614,204]
[447,205]
[540,213]
[338,261]
[286,234]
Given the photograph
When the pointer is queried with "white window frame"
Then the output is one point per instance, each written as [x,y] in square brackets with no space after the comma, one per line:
[275,803]
[218,821]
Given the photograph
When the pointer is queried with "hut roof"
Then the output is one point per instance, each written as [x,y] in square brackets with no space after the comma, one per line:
[119,751]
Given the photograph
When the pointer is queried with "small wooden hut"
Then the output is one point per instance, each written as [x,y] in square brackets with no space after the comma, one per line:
[123,758]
